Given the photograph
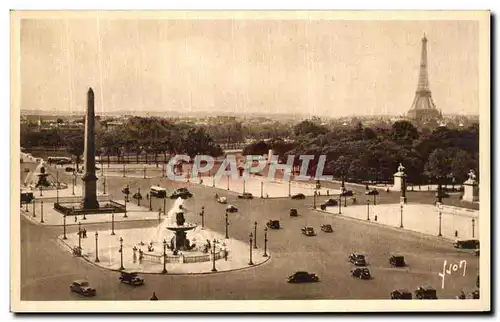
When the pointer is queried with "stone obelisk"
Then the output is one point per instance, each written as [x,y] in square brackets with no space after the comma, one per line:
[89,178]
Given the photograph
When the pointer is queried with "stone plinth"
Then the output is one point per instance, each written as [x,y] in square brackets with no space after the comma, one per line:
[399,181]
[471,190]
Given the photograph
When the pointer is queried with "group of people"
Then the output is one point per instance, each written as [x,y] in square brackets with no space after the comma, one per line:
[82,233]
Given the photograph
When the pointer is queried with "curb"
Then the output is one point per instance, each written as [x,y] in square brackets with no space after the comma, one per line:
[372,222]
[30,218]
[93,263]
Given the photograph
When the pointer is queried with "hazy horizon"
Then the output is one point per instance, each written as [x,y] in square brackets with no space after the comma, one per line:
[304,67]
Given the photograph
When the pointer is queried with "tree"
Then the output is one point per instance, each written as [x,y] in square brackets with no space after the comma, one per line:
[257,148]
[450,162]
[75,145]
[403,132]
[308,128]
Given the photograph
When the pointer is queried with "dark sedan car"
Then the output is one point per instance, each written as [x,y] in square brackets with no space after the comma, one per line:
[426,293]
[373,192]
[466,244]
[362,273]
[245,195]
[131,278]
[357,259]
[82,287]
[329,203]
[302,277]
[294,212]
[397,261]
[327,228]
[401,294]
[273,224]
[298,196]
[181,193]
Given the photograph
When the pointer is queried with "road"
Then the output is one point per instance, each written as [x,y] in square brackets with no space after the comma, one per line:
[48,269]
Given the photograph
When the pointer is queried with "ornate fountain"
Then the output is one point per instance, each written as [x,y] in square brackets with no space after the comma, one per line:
[180,242]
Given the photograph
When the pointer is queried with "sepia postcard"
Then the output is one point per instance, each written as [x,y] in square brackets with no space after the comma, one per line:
[250,161]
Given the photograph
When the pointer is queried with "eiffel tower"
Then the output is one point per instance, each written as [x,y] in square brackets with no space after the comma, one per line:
[423,110]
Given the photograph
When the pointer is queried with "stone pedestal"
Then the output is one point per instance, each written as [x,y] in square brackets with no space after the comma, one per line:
[399,181]
[471,190]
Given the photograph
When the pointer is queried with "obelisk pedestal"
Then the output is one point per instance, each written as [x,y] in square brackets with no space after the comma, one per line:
[89,179]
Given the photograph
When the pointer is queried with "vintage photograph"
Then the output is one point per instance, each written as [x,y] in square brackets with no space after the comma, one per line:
[210,161]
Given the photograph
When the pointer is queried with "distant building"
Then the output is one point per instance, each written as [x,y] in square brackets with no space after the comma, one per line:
[423,110]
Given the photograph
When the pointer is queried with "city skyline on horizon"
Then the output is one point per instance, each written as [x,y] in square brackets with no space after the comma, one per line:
[300,69]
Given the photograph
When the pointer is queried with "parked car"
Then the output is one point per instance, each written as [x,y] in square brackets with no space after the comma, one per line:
[182,193]
[27,197]
[347,193]
[273,224]
[294,212]
[467,244]
[357,259]
[231,208]
[302,277]
[82,287]
[373,192]
[426,292]
[69,169]
[361,272]
[401,294]
[474,295]
[246,195]
[222,200]
[131,278]
[327,228]
[298,196]
[397,261]
[308,231]
[329,203]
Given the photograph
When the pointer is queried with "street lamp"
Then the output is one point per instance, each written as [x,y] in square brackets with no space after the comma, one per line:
[64,227]
[57,186]
[228,182]
[262,189]
[202,214]
[368,210]
[150,203]
[289,187]
[41,188]
[41,212]
[121,254]
[440,216]
[213,257]
[473,222]
[401,218]
[74,182]
[227,224]
[96,247]
[34,207]
[265,242]
[164,256]
[243,185]
[340,204]
[79,235]
[104,186]
[124,170]
[255,235]
[113,222]
[144,171]
[250,262]
[314,200]
[165,206]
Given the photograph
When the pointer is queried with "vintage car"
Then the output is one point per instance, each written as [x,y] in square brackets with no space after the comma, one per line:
[245,195]
[302,277]
[181,193]
[231,208]
[425,292]
[27,197]
[361,272]
[397,261]
[308,231]
[372,192]
[298,196]
[222,200]
[294,212]
[466,244]
[273,224]
[327,228]
[347,193]
[401,294]
[82,287]
[329,203]
[131,278]
[357,259]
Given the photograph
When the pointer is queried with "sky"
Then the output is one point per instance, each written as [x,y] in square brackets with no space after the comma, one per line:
[308,67]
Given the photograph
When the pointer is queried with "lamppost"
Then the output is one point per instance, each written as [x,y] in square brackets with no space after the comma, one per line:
[227,224]
[64,227]
[262,189]
[255,235]
[74,182]
[164,256]
[165,206]
[41,188]
[340,204]
[41,212]
[79,235]
[202,214]
[289,187]
[213,257]
[314,200]
[265,242]
[34,207]
[368,210]
[250,262]
[227,182]
[401,218]
[96,247]
[244,185]
[121,254]
[473,222]
[144,171]
[113,222]
[26,203]
[57,186]
[150,203]
[104,186]
[440,216]
[124,170]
